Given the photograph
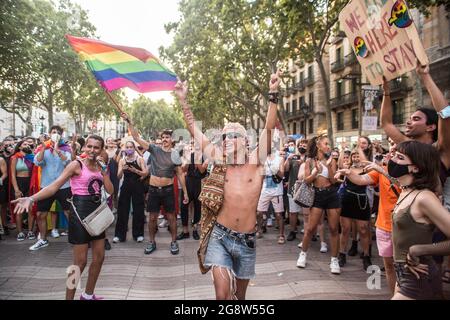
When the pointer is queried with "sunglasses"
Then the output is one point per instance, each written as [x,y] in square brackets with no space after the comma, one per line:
[231,135]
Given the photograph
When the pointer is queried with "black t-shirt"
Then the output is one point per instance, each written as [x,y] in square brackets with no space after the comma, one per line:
[163,163]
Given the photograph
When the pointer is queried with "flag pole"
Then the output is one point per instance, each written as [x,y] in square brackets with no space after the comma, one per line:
[113,101]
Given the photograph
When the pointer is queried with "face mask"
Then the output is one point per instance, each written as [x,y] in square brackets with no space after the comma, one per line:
[396,170]
[302,150]
[327,155]
[55,137]
[26,150]
[129,152]
[291,149]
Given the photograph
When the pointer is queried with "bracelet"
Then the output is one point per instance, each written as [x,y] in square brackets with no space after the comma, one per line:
[32,200]
[273,97]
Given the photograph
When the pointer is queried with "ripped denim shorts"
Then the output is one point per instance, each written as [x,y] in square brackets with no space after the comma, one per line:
[232,250]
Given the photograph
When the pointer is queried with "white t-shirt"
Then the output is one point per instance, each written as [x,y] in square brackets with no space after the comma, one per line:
[271,167]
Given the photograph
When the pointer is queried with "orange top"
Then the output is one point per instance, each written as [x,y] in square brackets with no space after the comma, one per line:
[388,199]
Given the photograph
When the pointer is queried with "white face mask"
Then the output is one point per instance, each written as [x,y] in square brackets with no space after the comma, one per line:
[55,137]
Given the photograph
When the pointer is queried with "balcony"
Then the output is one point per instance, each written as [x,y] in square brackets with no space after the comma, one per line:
[309,81]
[398,86]
[350,59]
[344,100]
[299,86]
[338,37]
[337,65]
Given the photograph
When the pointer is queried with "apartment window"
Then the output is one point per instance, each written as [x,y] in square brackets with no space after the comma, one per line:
[287,107]
[294,128]
[310,71]
[339,54]
[398,111]
[340,121]
[301,102]
[339,88]
[311,100]
[302,76]
[311,126]
[355,119]
[294,105]
[302,127]
[354,85]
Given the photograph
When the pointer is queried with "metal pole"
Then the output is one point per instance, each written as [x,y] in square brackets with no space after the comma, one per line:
[358,87]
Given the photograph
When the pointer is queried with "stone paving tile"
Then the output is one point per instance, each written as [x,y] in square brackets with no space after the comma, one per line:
[169,294]
[276,292]
[308,287]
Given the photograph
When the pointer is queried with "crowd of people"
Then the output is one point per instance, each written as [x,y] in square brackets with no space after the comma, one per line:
[235,194]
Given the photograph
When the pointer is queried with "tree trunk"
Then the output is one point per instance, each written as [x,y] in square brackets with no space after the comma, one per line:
[326,87]
[50,108]
[28,123]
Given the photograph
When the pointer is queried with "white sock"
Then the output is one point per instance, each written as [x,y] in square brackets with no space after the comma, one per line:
[87,296]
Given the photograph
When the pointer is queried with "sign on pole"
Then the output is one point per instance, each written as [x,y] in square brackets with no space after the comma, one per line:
[369,123]
[383,37]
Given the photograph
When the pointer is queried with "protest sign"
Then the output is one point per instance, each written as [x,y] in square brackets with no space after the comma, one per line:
[383,37]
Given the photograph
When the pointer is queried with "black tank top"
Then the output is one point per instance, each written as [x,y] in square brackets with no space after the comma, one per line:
[131,177]
[354,187]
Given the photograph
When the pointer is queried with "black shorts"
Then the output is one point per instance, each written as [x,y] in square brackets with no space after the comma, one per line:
[85,205]
[355,206]
[4,194]
[24,185]
[428,287]
[61,195]
[326,198]
[161,196]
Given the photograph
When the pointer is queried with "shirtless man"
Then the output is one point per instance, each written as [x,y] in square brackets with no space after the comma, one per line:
[236,221]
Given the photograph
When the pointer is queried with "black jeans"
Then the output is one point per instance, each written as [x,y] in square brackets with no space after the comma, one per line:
[130,193]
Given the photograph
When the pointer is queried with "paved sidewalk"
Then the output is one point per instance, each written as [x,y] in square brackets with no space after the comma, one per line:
[130,274]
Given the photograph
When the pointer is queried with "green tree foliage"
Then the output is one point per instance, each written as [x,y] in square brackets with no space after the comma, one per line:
[151,117]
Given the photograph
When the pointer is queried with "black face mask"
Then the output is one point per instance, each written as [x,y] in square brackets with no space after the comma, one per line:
[27,150]
[396,170]
[302,150]
[327,155]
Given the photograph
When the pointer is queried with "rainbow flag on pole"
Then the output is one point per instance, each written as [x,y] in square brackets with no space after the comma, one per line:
[116,67]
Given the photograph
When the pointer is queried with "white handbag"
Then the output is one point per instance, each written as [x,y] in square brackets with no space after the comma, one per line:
[97,221]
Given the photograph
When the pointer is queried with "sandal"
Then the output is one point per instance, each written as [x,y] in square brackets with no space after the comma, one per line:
[446,276]
[281,240]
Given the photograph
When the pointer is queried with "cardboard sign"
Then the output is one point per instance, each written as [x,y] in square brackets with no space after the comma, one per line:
[383,37]
[369,123]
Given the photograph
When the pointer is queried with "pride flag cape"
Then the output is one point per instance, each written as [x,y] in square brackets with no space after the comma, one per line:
[116,66]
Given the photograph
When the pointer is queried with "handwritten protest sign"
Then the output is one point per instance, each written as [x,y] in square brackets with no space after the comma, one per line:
[369,123]
[383,37]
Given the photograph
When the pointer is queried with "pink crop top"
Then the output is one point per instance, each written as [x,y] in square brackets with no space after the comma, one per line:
[87,183]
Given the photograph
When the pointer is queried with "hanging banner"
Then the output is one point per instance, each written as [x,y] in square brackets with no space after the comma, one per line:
[383,37]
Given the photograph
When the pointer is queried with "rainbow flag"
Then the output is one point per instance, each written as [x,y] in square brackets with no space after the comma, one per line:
[116,67]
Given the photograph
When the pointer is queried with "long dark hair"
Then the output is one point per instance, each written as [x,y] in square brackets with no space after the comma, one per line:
[18,145]
[369,151]
[426,158]
[312,149]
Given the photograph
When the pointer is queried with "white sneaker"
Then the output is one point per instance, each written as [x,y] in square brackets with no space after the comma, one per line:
[300,245]
[301,262]
[163,224]
[323,247]
[39,244]
[140,239]
[64,234]
[269,222]
[302,231]
[55,233]
[334,266]
[178,217]
[116,239]
[161,216]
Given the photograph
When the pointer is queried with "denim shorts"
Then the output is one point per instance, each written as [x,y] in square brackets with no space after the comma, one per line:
[232,250]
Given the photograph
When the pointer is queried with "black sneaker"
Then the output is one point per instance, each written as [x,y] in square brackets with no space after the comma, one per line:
[183,235]
[342,259]
[264,229]
[366,262]
[107,245]
[292,236]
[195,235]
[314,238]
[150,248]
[174,249]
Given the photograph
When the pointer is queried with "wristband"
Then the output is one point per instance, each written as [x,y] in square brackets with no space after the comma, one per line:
[273,97]
[445,113]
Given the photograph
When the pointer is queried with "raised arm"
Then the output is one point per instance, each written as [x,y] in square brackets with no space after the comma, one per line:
[357,179]
[136,136]
[265,139]
[181,91]
[439,103]
[386,116]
